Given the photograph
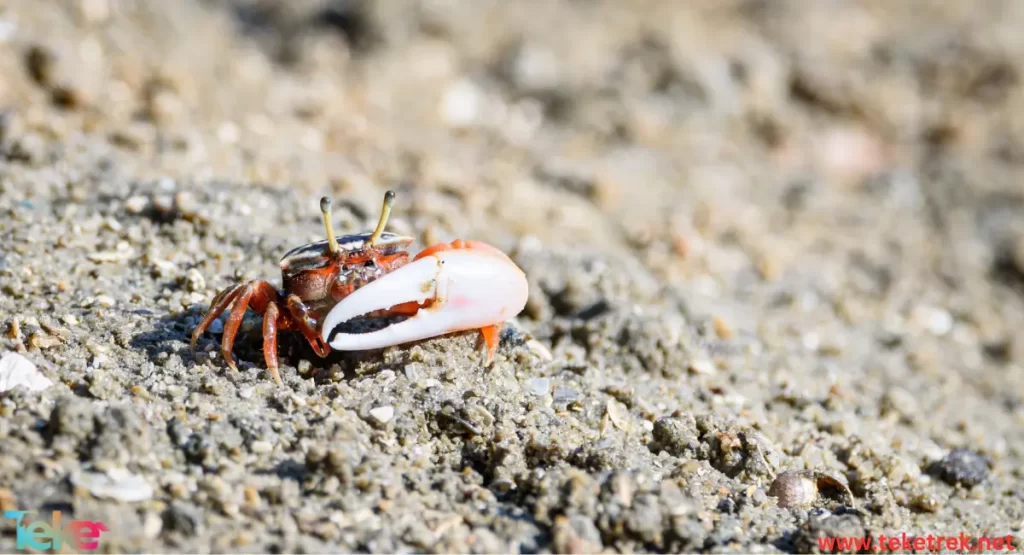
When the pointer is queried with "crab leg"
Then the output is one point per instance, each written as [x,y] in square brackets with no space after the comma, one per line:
[270,340]
[219,304]
[300,319]
[460,287]
[261,297]
[234,322]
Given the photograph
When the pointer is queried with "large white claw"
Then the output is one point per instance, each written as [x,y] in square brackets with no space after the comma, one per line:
[471,289]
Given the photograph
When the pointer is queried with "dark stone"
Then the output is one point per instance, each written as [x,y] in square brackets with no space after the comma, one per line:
[961,467]
[183,518]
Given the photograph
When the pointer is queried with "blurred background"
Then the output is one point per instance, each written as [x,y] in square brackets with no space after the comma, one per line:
[804,218]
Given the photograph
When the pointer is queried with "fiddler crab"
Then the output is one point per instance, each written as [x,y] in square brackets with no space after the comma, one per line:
[446,288]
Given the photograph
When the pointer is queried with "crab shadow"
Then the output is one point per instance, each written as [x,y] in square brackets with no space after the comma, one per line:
[172,335]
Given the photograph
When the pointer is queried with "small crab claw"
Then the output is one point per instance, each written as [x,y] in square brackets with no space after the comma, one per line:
[459,289]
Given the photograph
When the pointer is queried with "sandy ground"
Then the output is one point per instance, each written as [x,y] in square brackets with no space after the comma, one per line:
[775,250]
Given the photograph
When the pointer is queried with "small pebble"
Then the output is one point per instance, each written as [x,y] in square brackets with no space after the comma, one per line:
[722,328]
[186,203]
[164,268]
[618,414]
[538,349]
[962,467]
[16,370]
[702,366]
[382,415]
[116,483]
[163,203]
[538,386]
[462,104]
[565,395]
[14,329]
[41,64]
[136,204]
[936,320]
[925,503]
[194,281]
[181,517]
[230,510]
[152,525]
[106,301]
[109,256]
[41,341]
[412,372]
[252,496]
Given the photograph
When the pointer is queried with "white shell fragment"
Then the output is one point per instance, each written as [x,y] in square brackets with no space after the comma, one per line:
[382,415]
[16,370]
[116,483]
[618,414]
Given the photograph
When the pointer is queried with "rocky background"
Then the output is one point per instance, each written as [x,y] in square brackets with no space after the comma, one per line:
[776,255]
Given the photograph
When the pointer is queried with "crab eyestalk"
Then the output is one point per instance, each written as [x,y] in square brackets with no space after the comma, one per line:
[332,240]
[385,212]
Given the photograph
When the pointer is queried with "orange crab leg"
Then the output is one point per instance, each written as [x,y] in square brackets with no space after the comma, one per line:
[217,306]
[234,322]
[301,320]
[263,299]
[270,340]
[490,335]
